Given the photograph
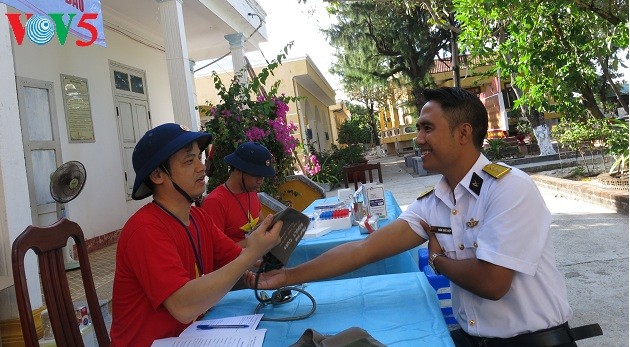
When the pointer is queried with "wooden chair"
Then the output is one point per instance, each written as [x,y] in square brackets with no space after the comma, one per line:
[48,243]
[361,173]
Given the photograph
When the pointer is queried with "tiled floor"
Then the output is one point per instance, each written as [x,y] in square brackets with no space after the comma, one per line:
[103,264]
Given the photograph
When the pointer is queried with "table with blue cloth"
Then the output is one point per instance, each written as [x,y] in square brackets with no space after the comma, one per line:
[397,310]
[311,248]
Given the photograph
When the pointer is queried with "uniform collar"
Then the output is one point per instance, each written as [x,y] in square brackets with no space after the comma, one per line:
[476,171]
[474,176]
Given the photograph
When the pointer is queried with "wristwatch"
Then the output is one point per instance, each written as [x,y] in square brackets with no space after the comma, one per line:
[432,259]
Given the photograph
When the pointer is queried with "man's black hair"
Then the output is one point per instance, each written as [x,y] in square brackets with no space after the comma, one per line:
[461,106]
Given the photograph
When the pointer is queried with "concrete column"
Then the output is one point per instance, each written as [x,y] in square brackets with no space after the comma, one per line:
[15,209]
[502,111]
[394,107]
[381,118]
[196,121]
[177,62]
[238,56]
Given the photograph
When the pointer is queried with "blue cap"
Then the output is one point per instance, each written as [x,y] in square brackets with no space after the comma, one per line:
[252,158]
[155,147]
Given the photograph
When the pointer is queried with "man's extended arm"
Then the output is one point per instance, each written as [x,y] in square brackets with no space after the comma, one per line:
[392,239]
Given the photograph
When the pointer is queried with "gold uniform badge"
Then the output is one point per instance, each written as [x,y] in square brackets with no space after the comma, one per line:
[472,223]
[425,193]
[496,170]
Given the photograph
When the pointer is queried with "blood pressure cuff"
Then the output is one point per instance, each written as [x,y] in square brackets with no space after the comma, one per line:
[351,337]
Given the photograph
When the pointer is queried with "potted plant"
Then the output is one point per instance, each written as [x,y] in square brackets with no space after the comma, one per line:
[493,149]
[333,161]
[320,173]
[326,180]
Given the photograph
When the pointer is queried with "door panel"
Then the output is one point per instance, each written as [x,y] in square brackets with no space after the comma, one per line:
[42,149]
[133,122]
[37,109]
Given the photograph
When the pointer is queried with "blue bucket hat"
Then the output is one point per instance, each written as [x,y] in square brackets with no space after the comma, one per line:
[155,147]
[252,158]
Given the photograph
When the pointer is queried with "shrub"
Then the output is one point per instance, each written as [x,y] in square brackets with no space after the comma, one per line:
[239,118]
[332,162]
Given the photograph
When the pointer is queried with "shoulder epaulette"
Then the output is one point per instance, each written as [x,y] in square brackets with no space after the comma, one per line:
[425,193]
[496,170]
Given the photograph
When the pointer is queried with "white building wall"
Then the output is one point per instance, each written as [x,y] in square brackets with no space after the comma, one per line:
[15,215]
[102,206]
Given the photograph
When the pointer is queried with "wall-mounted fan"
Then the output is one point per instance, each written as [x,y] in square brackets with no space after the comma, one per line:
[65,184]
[67,181]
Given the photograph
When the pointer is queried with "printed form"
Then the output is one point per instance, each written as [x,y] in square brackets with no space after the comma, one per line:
[239,331]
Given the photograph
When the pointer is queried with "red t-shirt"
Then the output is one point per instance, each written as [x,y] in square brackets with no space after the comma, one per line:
[230,216]
[155,258]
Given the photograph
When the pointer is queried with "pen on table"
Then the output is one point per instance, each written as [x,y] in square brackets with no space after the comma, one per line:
[221,326]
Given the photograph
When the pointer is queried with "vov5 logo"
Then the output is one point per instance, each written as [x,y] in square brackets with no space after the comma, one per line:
[40,29]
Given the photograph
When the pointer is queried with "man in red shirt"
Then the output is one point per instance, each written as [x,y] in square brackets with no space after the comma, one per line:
[172,262]
[234,206]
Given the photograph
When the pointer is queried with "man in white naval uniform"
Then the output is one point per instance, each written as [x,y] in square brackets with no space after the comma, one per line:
[488,232]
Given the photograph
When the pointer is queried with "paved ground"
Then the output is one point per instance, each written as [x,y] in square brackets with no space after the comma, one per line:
[591,244]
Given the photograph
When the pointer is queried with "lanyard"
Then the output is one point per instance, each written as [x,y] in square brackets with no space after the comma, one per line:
[248,212]
[192,243]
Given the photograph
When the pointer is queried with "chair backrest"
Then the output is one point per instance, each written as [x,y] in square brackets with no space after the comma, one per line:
[361,173]
[47,243]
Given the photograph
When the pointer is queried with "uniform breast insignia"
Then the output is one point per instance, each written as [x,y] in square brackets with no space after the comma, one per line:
[496,170]
[425,193]
[472,223]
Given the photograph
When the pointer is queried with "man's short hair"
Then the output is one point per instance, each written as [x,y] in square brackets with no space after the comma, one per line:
[461,106]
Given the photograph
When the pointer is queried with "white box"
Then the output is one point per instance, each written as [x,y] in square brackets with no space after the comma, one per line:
[374,200]
[346,195]
[315,232]
[334,223]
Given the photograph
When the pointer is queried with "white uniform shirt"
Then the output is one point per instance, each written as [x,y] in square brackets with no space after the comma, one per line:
[512,230]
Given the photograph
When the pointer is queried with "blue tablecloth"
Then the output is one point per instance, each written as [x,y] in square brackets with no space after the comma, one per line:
[397,310]
[311,248]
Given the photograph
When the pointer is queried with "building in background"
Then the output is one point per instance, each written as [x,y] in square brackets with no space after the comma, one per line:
[397,124]
[339,114]
[315,113]
[495,93]
[61,103]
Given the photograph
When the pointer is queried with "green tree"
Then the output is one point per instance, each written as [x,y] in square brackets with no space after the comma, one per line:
[372,52]
[370,97]
[357,130]
[549,49]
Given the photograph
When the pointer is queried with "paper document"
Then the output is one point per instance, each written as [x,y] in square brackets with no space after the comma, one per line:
[222,338]
[251,321]
[241,333]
